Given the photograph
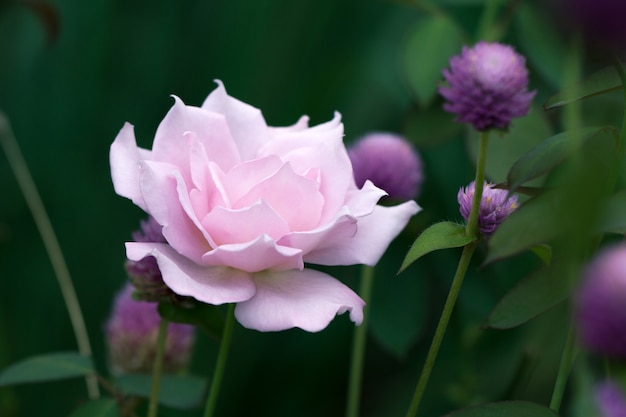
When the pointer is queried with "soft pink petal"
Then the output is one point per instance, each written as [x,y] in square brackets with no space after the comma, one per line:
[362,202]
[228,226]
[212,284]
[239,180]
[301,124]
[246,123]
[294,197]
[323,148]
[167,200]
[306,299]
[262,253]
[124,158]
[171,145]
[374,234]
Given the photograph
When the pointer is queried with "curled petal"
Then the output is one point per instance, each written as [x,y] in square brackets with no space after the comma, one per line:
[374,233]
[306,299]
[124,158]
[209,284]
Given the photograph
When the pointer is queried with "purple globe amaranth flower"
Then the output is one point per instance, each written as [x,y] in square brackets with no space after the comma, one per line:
[131,335]
[494,206]
[610,399]
[600,303]
[487,86]
[390,162]
[145,274]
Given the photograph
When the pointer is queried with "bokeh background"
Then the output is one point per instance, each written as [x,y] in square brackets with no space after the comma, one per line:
[71,73]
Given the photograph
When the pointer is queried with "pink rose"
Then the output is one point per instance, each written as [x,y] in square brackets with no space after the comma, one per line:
[243,206]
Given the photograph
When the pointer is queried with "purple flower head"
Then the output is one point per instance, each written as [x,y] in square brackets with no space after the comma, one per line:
[390,162]
[131,334]
[145,274]
[610,399]
[494,206]
[487,86]
[600,308]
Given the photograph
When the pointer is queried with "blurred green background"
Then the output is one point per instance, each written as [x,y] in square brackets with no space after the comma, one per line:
[71,73]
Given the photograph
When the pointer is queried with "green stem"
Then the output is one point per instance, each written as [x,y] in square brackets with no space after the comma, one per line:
[472,222]
[358,345]
[157,368]
[40,216]
[464,262]
[567,359]
[221,362]
[486,29]
[619,67]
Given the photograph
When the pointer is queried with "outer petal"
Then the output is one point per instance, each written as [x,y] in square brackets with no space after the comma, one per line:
[306,299]
[213,285]
[374,233]
[246,123]
[124,158]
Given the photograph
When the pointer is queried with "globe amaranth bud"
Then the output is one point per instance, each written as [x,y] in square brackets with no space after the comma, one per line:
[145,274]
[390,162]
[610,399]
[487,86]
[600,304]
[494,206]
[131,336]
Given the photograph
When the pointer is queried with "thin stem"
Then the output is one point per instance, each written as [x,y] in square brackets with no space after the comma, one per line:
[619,67]
[157,368]
[358,345]
[464,262]
[472,222]
[567,359]
[40,216]
[486,29]
[221,362]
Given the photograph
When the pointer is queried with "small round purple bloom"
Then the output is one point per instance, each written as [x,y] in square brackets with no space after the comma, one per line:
[494,206]
[487,86]
[600,308]
[145,274]
[610,399]
[131,335]
[390,162]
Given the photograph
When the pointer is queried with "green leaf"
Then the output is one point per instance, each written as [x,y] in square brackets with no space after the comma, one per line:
[176,391]
[543,252]
[425,59]
[48,367]
[530,297]
[613,217]
[550,153]
[103,407]
[505,409]
[205,316]
[504,150]
[541,42]
[443,235]
[603,81]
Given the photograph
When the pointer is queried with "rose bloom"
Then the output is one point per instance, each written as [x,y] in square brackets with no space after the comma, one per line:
[244,206]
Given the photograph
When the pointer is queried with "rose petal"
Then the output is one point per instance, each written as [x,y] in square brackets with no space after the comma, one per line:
[211,129]
[167,200]
[228,226]
[294,197]
[239,180]
[301,124]
[124,158]
[306,299]
[209,284]
[246,123]
[262,253]
[319,147]
[374,233]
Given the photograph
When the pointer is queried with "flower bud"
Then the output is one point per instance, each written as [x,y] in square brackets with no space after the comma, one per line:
[390,162]
[600,304]
[487,86]
[131,335]
[610,399]
[494,206]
